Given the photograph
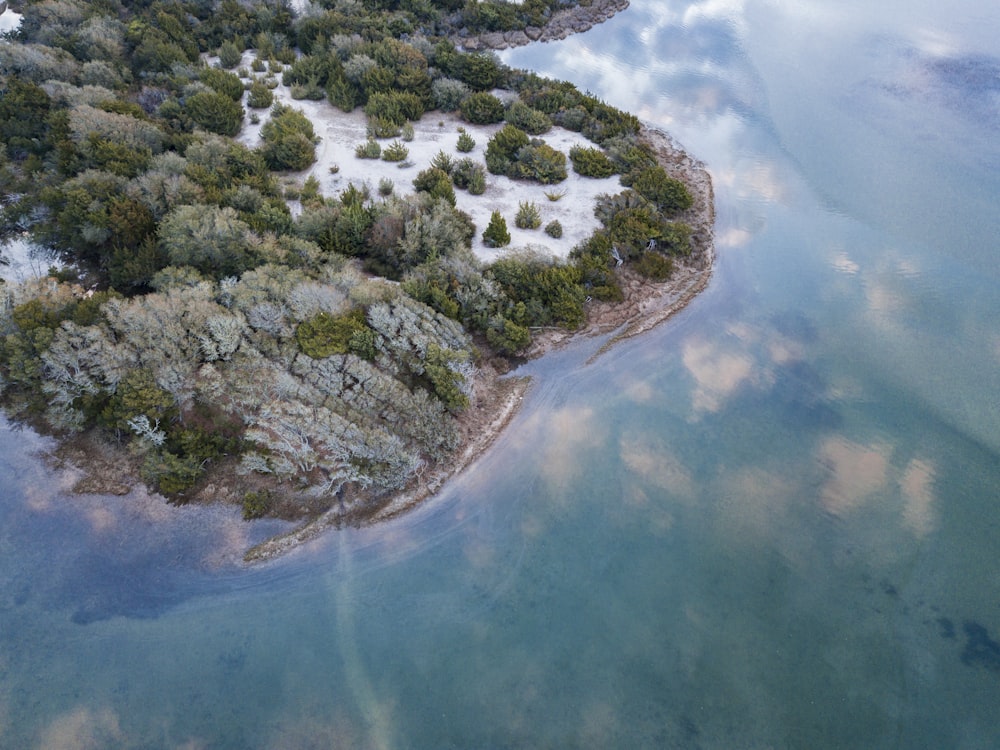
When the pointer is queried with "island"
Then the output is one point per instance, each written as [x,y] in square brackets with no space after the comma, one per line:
[297,252]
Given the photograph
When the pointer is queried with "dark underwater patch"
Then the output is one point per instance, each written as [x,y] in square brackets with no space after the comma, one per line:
[980,649]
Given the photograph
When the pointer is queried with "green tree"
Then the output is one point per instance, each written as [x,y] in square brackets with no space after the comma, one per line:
[436,182]
[481,108]
[496,233]
[289,139]
[215,112]
[211,239]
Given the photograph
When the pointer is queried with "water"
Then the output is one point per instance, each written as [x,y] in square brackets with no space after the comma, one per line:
[770,523]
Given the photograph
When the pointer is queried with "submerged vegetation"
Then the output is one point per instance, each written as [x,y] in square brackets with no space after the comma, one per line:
[199,323]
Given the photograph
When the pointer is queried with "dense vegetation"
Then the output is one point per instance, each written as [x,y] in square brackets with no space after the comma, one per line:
[197,321]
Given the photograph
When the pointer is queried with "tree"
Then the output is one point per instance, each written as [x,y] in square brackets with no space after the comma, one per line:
[211,239]
[435,182]
[229,55]
[481,108]
[502,148]
[215,112]
[496,234]
[289,139]
[669,195]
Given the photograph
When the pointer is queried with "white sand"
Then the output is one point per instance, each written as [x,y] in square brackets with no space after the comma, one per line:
[438,131]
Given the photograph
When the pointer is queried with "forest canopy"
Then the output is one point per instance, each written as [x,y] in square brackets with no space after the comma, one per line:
[195,319]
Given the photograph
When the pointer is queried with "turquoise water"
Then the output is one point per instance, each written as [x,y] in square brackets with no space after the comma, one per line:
[772,522]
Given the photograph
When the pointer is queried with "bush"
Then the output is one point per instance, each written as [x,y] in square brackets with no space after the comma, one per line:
[463,171]
[481,108]
[169,474]
[477,182]
[309,90]
[436,182]
[325,335]
[230,55]
[591,162]
[443,162]
[668,194]
[507,337]
[449,93]
[222,82]
[547,292]
[380,128]
[256,504]
[394,106]
[385,187]
[496,234]
[289,139]
[502,148]
[675,238]
[554,229]
[395,151]
[529,120]
[215,112]
[654,265]
[259,96]
[541,163]
[465,142]
[528,216]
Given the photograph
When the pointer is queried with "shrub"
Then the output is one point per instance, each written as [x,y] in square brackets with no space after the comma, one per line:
[443,162]
[449,93]
[463,171]
[309,90]
[668,194]
[230,55]
[169,474]
[502,148]
[507,337]
[675,238]
[654,265]
[215,112]
[573,118]
[395,151]
[541,163]
[222,82]
[481,108]
[529,120]
[591,162]
[394,106]
[465,142]
[406,132]
[630,156]
[436,182]
[528,216]
[259,96]
[550,292]
[477,182]
[289,139]
[385,187]
[256,504]
[554,229]
[380,128]
[496,234]
[325,335]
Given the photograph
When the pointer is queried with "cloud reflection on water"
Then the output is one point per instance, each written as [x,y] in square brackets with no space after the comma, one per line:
[83,729]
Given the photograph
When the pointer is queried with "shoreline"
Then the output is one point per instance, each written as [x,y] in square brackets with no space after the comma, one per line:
[646,305]
[562,24]
[496,397]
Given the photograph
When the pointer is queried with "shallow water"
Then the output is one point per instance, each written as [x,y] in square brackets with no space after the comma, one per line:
[772,522]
